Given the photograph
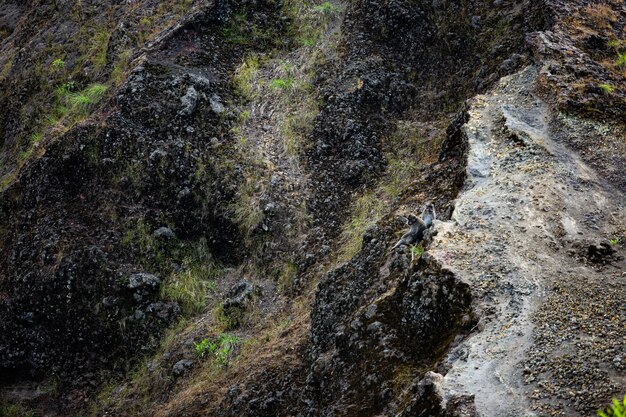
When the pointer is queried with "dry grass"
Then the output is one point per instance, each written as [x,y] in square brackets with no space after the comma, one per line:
[601,16]
[277,345]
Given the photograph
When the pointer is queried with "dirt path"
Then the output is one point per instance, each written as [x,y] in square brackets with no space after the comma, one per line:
[520,231]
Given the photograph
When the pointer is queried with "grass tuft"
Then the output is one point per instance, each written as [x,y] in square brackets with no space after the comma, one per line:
[608,88]
[617,409]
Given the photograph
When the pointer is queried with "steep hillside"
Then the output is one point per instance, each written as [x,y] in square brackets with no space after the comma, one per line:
[199,201]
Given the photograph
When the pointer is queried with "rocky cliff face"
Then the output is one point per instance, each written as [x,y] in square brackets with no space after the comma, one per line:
[199,201]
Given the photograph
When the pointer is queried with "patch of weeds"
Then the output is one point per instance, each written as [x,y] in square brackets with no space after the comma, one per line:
[72,104]
[153,253]
[608,88]
[404,150]
[615,44]
[57,65]
[221,349]
[614,242]
[621,60]
[309,20]
[617,409]
[204,347]
[36,137]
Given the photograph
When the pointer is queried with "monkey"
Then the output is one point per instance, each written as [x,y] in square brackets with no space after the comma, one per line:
[418,225]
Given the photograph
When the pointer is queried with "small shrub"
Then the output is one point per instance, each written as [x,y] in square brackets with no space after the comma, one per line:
[617,409]
[621,60]
[614,242]
[614,44]
[189,288]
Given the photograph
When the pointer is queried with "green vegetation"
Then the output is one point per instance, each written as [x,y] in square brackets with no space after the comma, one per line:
[204,347]
[614,242]
[57,64]
[310,20]
[246,77]
[621,60]
[614,44]
[4,72]
[222,348]
[617,409]
[282,84]
[367,211]
[121,67]
[608,88]
[96,49]
[327,8]
[15,410]
[286,276]
[416,251]
[80,102]
[246,210]
[230,319]
[191,286]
